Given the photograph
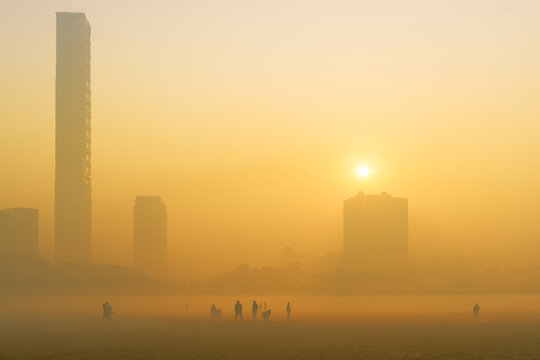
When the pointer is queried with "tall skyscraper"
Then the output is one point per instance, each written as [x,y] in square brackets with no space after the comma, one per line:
[375,231]
[73,200]
[150,235]
[19,231]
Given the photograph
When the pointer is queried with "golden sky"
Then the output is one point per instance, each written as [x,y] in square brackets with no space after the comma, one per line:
[250,118]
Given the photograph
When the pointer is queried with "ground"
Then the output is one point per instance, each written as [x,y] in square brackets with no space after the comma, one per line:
[162,338]
[322,327]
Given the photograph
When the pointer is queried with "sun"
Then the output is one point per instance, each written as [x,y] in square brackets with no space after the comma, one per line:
[363,171]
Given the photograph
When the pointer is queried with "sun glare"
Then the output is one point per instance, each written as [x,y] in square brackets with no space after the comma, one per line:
[363,171]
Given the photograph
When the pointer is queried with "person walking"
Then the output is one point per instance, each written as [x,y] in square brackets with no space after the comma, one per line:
[107,312]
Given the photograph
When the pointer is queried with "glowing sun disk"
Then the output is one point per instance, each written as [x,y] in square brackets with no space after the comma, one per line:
[363,171]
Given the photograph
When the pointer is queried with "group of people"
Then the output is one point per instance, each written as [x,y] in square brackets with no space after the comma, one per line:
[238,308]
[255,308]
[215,312]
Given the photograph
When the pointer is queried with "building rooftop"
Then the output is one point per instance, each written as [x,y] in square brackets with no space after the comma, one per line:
[72,16]
[148,198]
[382,195]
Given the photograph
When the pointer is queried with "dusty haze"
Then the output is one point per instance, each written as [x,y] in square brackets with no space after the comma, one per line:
[250,118]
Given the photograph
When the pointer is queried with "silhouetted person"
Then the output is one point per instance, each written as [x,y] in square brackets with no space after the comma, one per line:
[107,312]
[266,315]
[238,311]
[288,310]
[476,310]
[254,309]
[213,311]
[265,307]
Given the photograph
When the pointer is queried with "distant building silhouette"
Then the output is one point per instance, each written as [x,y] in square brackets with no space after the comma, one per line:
[375,231]
[72,185]
[150,235]
[19,231]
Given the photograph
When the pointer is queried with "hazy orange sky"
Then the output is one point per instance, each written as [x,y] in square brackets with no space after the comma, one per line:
[250,118]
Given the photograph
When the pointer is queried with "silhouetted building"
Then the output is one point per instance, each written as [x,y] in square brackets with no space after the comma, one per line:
[19,231]
[73,200]
[375,231]
[150,235]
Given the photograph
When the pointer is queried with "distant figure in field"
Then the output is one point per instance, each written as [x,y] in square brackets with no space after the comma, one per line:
[254,309]
[215,313]
[476,310]
[107,312]
[265,307]
[238,311]
[266,315]
[288,310]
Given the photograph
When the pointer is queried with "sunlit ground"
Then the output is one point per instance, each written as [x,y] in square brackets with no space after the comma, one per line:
[372,327]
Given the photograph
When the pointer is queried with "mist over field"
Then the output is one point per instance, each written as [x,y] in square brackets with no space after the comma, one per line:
[300,179]
[370,327]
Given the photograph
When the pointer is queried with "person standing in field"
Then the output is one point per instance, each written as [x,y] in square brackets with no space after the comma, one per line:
[288,310]
[238,311]
[254,309]
[476,310]
[107,312]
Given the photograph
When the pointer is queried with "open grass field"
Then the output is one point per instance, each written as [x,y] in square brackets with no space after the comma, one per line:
[428,335]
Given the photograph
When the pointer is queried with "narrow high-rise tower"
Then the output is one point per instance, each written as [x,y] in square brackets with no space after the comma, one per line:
[150,235]
[73,200]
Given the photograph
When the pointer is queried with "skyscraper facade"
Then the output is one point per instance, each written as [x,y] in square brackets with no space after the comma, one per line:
[150,235]
[375,231]
[19,231]
[73,201]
